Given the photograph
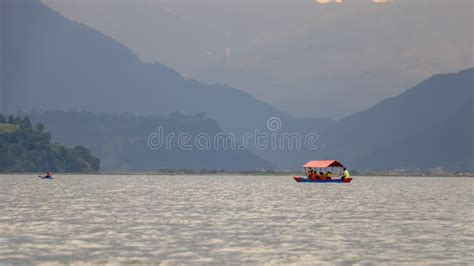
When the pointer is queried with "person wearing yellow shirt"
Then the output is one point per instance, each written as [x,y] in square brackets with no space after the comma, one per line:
[345,174]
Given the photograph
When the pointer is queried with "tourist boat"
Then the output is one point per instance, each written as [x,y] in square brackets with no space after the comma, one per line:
[333,166]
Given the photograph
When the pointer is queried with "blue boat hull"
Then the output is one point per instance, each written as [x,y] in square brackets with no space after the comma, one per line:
[301,179]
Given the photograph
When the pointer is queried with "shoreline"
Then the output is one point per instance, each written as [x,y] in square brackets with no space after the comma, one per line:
[256,173]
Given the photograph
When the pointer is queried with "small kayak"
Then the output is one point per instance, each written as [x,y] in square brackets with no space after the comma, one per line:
[301,179]
[46,177]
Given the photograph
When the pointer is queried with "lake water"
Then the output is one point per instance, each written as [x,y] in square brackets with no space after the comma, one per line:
[235,220]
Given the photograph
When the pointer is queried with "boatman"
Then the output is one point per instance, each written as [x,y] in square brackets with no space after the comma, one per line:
[345,174]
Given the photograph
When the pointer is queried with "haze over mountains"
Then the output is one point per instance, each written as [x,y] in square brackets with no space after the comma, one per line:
[427,126]
[52,63]
[123,144]
[50,57]
[302,57]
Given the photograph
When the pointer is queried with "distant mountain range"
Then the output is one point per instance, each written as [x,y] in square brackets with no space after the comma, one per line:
[52,63]
[427,126]
[123,141]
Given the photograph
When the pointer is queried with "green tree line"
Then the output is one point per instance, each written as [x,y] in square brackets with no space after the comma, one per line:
[28,148]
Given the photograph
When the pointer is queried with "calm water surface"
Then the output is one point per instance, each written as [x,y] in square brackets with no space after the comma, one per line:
[235,220]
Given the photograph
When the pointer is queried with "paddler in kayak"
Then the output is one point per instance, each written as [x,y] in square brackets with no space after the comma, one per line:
[47,175]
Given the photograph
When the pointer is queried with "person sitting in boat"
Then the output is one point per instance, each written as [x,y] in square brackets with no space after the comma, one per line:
[322,176]
[314,175]
[309,172]
[329,175]
[345,174]
[48,175]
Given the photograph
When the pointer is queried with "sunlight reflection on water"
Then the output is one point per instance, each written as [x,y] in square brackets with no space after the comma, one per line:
[234,219]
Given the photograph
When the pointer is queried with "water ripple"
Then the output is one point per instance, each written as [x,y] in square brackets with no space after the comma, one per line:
[235,220]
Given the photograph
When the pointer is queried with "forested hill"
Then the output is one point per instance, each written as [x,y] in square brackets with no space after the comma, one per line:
[24,148]
[122,141]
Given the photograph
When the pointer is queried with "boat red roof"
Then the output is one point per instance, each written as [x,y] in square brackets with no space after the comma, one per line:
[323,163]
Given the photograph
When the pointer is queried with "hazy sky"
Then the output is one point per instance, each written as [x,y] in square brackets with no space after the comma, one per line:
[307,58]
